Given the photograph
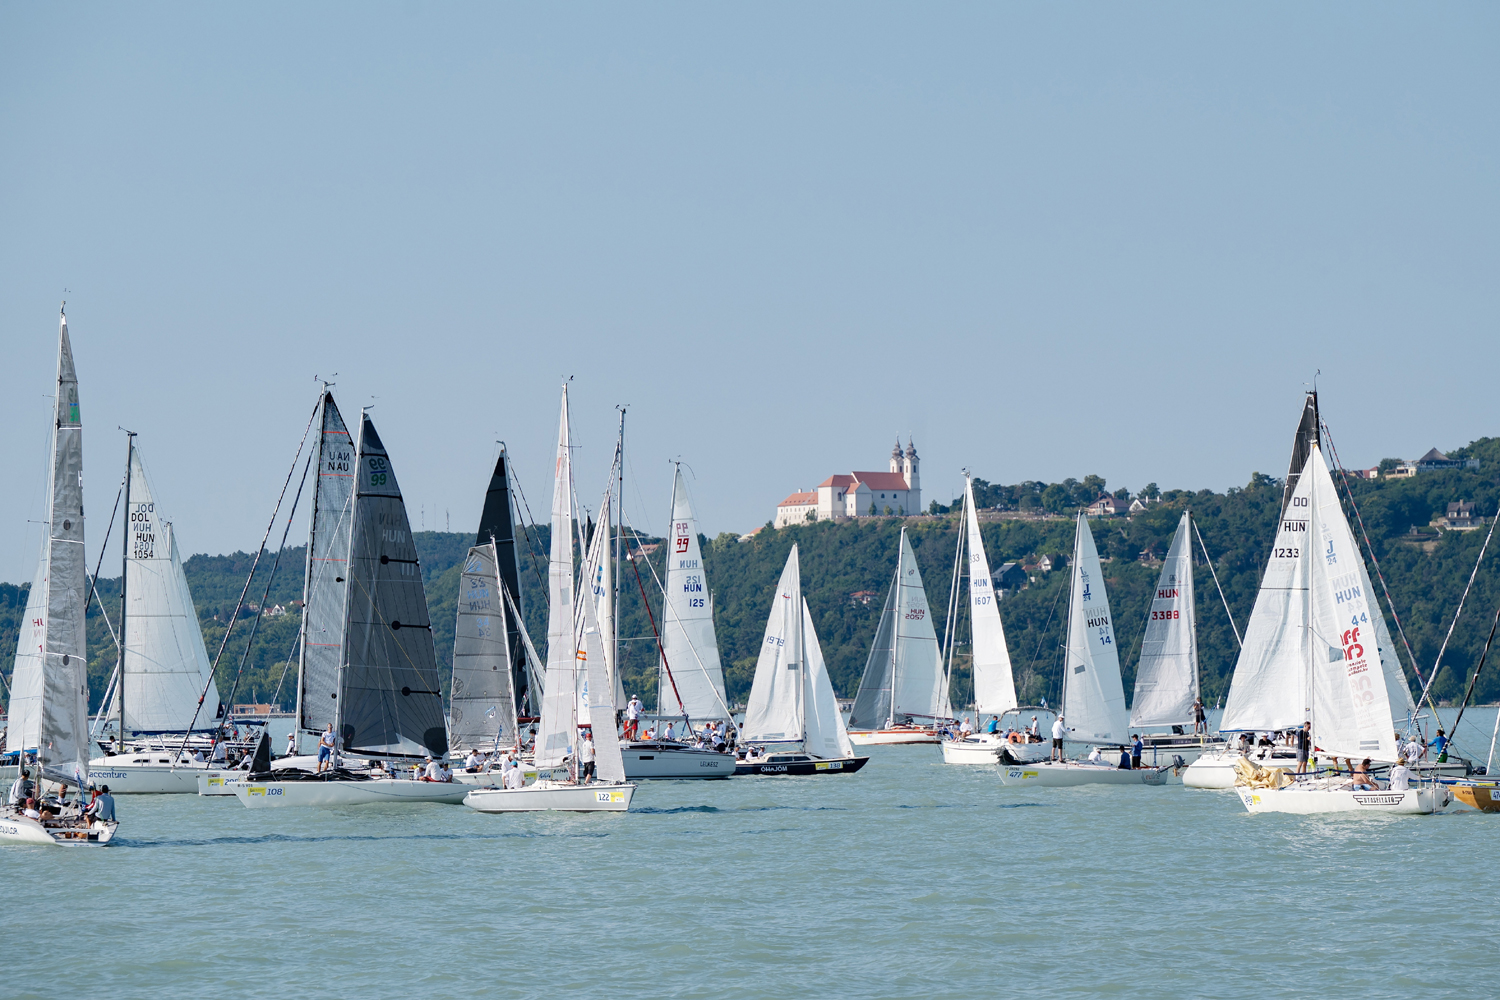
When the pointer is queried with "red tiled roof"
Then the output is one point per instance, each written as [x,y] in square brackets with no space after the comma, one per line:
[882,480]
[799,499]
[837,481]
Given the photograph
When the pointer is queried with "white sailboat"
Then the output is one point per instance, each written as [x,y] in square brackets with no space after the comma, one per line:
[994,684]
[690,679]
[1166,675]
[49,717]
[1265,695]
[558,733]
[903,694]
[379,685]
[1093,702]
[1341,678]
[793,725]
[482,697]
[164,665]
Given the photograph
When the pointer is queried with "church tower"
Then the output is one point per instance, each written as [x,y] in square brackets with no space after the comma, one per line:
[909,471]
[896,456]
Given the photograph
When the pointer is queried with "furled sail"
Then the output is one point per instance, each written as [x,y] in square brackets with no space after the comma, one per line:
[49,693]
[1093,695]
[904,674]
[994,685]
[165,665]
[1351,711]
[774,712]
[1166,677]
[482,705]
[556,726]
[1266,692]
[687,630]
[327,571]
[390,696]
[497,523]
[824,734]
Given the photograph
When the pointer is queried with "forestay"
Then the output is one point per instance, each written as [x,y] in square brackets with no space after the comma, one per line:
[390,694]
[555,728]
[327,571]
[774,712]
[688,644]
[994,685]
[1351,711]
[482,709]
[49,694]
[1166,677]
[1093,695]
[165,665]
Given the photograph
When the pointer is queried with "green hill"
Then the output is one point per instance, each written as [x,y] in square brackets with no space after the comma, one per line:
[1426,573]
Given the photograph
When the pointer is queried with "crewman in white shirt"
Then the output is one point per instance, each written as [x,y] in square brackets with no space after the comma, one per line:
[1057,738]
[586,758]
[473,762]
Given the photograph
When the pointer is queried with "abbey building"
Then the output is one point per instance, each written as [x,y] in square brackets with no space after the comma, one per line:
[859,494]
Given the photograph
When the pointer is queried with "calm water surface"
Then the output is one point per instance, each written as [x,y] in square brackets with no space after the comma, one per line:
[910,878]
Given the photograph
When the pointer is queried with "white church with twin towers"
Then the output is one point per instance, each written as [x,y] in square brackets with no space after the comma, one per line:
[859,494]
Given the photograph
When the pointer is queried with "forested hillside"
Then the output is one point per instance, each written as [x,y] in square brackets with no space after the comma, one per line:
[1426,572]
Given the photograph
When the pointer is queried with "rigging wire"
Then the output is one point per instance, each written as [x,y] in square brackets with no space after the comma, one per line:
[531,546]
[1454,623]
[1237,639]
[1475,680]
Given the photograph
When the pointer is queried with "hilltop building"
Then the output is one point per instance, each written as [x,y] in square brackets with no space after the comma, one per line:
[1433,461]
[859,494]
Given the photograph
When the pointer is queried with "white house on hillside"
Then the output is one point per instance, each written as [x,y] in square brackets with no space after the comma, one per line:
[859,494]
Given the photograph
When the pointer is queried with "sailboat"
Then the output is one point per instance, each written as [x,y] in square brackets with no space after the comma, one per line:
[482,695]
[1340,678]
[1265,695]
[1166,675]
[368,662]
[497,524]
[49,714]
[903,694]
[572,699]
[994,685]
[792,709]
[163,665]
[690,679]
[1093,701]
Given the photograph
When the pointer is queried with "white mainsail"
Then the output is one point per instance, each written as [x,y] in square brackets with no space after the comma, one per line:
[556,726]
[1093,704]
[904,678]
[687,630]
[1166,677]
[327,571]
[482,704]
[165,666]
[595,576]
[823,731]
[994,684]
[49,693]
[609,764]
[1351,710]
[774,712]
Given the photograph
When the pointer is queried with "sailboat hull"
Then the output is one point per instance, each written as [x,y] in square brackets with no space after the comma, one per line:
[801,765]
[552,796]
[893,737]
[20,830]
[986,749]
[1318,799]
[271,794]
[1217,769]
[663,760]
[1050,774]
[128,778]
[219,782]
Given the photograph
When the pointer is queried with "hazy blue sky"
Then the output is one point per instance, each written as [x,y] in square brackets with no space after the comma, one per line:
[1044,239]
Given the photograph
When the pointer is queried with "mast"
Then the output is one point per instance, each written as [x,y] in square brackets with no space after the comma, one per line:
[1062,701]
[124,574]
[890,716]
[615,596]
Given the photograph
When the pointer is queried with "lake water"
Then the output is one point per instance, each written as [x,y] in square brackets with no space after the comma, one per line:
[911,878]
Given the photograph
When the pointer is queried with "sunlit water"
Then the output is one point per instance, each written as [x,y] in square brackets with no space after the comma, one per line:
[910,878]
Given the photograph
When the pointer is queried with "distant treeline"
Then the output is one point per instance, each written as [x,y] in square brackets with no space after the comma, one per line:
[1426,572]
